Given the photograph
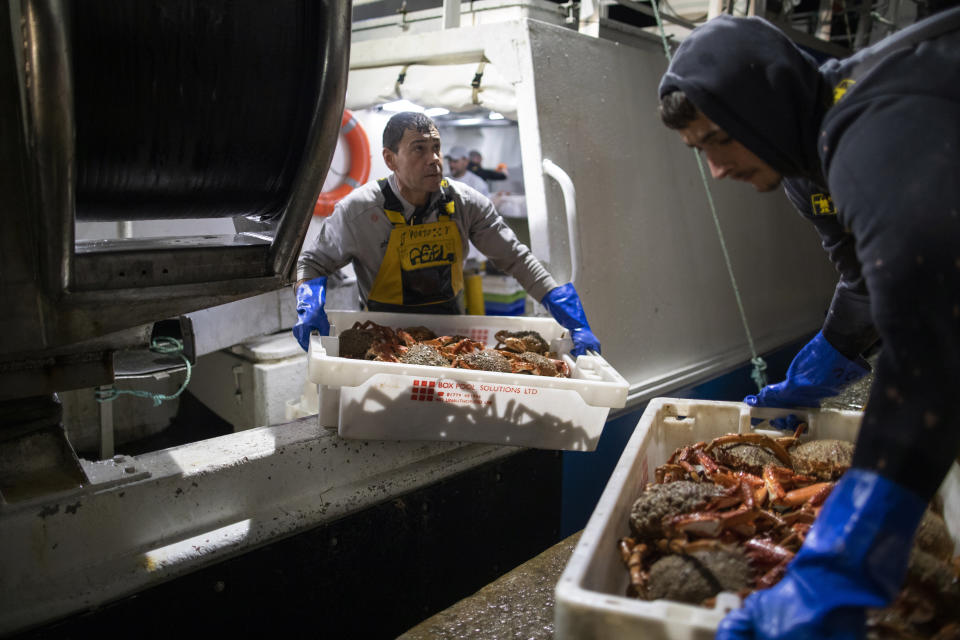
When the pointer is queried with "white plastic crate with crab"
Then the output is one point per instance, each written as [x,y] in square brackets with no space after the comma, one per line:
[375,400]
[591,600]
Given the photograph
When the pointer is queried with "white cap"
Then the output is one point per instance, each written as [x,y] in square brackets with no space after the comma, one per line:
[456,152]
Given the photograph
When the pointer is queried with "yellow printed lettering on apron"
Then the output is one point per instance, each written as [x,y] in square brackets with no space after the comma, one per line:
[423,263]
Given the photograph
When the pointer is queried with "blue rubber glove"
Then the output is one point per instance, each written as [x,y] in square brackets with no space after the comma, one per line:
[564,305]
[310,316]
[788,422]
[854,557]
[819,371]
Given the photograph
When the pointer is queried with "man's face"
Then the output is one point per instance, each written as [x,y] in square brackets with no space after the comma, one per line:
[417,162]
[458,166]
[727,157]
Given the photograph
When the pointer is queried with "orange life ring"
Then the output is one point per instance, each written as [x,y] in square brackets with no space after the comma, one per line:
[359,146]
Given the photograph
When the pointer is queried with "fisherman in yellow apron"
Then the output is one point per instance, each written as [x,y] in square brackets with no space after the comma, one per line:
[423,263]
[406,236]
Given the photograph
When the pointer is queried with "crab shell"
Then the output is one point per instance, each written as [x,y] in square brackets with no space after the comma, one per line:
[486,360]
[698,576]
[745,456]
[423,354]
[355,342]
[521,341]
[659,501]
[823,459]
[420,333]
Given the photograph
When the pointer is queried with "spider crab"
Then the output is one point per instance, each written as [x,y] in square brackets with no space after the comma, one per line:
[521,352]
[521,342]
[763,497]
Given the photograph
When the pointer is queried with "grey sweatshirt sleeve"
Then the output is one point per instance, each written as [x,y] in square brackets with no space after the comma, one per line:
[491,235]
[331,250]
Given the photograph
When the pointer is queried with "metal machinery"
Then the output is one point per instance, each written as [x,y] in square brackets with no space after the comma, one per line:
[119,111]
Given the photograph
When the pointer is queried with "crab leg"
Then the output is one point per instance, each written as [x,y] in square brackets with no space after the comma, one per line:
[797,497]
[766,551]
[709,524]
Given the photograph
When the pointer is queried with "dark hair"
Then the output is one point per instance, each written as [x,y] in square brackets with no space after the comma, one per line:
[676,110]
[393,132]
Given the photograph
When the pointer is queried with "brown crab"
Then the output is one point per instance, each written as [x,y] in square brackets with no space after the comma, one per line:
[660,501]
[724,494]
[355,342]
[699,575]
[521,341]
[536,364]
[485,360]
[420,333]
[748,451]
[425,355]
[524,352]
[824,459]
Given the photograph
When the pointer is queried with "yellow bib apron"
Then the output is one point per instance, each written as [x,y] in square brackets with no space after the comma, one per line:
[422,269]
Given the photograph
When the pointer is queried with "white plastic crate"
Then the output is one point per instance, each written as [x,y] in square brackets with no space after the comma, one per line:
[394,401]
[590,600]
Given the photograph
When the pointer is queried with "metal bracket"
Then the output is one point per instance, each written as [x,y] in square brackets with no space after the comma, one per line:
[570,12]
[116,470]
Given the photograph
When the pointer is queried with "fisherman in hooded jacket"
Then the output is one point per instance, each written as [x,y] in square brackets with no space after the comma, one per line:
[869,148]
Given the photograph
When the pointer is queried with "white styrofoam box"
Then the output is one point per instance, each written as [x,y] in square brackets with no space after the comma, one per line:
[590,600]
[395,401]
[249,384]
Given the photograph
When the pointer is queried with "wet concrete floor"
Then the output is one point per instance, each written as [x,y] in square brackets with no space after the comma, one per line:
[519,604]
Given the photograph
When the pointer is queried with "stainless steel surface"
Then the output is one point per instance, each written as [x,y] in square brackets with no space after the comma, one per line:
[61,295]
[652,277]
[225,325]
[121,264]
[47,93]
[321,144]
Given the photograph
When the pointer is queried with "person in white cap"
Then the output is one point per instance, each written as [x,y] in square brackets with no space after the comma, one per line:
[458,161]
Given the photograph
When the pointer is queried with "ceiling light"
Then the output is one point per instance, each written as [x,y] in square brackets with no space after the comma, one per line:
[436,111]
[401,105]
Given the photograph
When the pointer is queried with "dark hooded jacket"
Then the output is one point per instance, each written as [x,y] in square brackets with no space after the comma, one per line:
[848,325]
[880,131]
